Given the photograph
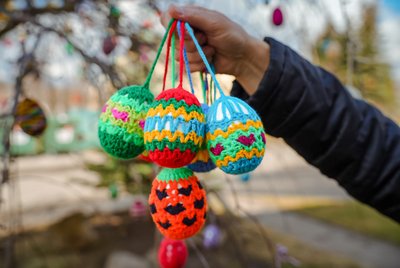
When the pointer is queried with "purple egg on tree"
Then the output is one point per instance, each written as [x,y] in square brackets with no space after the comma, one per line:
[212,236]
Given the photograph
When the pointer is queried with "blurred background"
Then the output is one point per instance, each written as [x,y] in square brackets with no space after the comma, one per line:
[65,203]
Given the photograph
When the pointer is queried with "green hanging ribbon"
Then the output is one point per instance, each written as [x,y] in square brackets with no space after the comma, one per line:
[150,75]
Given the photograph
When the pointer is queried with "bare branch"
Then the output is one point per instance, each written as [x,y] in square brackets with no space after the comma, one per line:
[106,69]
[10,26]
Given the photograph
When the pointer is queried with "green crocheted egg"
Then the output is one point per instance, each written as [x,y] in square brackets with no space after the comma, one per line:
[121,122]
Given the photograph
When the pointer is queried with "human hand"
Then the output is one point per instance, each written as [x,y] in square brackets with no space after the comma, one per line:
[225,43]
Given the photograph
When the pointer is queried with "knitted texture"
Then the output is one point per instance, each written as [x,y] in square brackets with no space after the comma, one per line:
[121,122]
[30,117]
[235,136]
[174,128]
[145,156]
[177,203]
[202,161]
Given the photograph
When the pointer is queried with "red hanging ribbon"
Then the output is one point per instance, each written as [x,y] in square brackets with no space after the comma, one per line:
[181,47]
[171,32]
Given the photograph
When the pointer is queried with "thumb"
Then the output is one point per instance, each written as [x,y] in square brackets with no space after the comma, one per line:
[200,18]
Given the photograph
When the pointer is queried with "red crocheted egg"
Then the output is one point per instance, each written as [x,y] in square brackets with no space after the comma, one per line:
[174,128]
[177,203]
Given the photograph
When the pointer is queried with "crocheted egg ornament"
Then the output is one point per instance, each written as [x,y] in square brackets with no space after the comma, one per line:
[202,161]
[30,117]
[121,122]
[174,128]
[235,136]
[177,203]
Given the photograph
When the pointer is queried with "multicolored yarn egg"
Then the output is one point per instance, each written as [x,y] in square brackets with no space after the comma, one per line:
[30,117]
[235,136]
[177,203]
[202,161]
[172,253]
[174,128]
[121,122]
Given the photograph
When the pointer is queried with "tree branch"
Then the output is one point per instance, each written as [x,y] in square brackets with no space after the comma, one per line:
[106,69]
[11,24]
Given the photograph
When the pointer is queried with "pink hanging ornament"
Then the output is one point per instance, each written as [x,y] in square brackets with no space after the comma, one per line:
[138,209]
[109,43]
[277,16]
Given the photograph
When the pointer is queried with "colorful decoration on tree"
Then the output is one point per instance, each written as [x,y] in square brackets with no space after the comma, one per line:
[69,48]
[121,123]
[212,236]
[30,117]
[177,203]
[138,208]
[115,11]
[172,253]
[113,189]
[277,16]
[175,122]
[109,44]
[245,177]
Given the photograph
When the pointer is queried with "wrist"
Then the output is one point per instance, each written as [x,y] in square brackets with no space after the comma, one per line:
[254,65]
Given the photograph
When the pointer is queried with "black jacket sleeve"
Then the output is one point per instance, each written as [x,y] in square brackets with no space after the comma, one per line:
[345,138]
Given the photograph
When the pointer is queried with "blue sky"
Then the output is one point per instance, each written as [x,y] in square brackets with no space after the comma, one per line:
[392,4]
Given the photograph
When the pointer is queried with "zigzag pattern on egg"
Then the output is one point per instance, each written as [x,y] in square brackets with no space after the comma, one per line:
[174,128]
[235,136]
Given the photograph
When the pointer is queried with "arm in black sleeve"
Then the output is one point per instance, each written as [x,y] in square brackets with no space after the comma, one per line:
[346,139]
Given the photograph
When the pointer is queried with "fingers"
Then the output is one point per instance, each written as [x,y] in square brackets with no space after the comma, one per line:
[165,18]
[195,61]
[198,17]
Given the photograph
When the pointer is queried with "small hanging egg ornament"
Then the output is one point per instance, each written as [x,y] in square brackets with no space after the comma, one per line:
[138,209]
[277,16]
[121,122]
[235,136]
[30,117]
[212,236]
[202,161]
[174,128]
[113,189]
[177,203]
[109,44]
[245,177]
[172,253]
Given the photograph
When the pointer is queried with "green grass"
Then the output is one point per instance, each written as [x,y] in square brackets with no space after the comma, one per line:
[357,217]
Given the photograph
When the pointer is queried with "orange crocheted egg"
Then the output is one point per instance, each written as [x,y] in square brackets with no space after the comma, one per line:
[177,203]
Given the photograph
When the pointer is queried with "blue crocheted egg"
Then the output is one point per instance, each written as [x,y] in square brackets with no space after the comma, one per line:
[235,136]
[202,161]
